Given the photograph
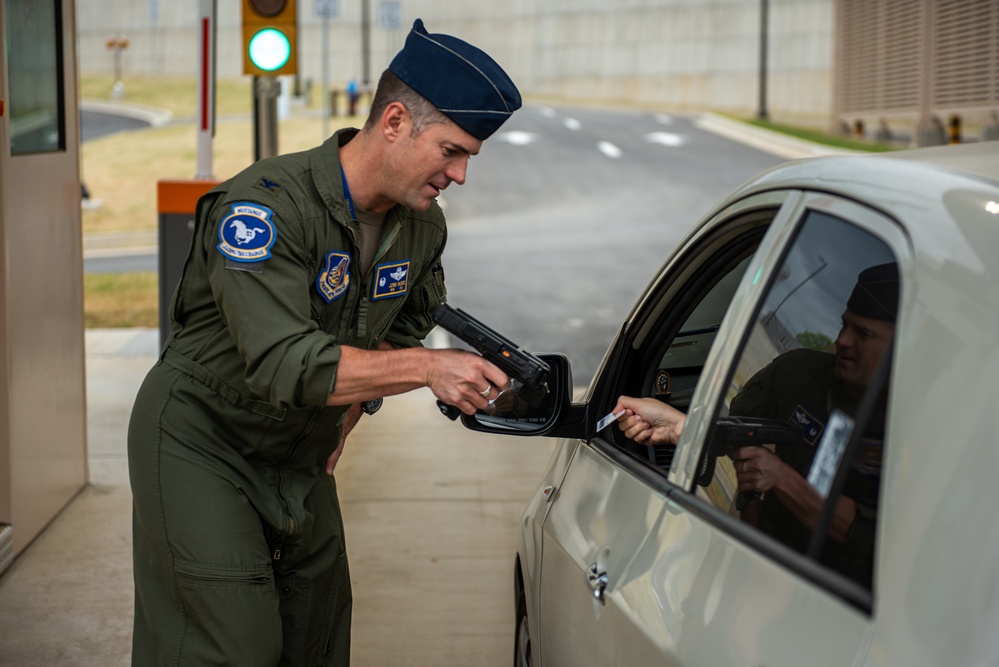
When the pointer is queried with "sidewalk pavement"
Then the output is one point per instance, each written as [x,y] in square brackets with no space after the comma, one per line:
[431,510]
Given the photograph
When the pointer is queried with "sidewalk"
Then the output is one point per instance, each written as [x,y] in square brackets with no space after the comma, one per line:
[432,514]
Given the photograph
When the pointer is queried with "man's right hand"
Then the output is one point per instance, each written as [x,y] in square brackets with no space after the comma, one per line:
[650,422]
[465,380]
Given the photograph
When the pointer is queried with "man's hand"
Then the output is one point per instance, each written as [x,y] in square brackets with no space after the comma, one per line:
[465,380]
[353,416]
[457,377]
[648,421]
[758,469]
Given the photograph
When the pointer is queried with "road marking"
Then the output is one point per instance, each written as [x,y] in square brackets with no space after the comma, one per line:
[573,124]
[664,119]
[609,149]
[666,138]
[516,137]
[547,112]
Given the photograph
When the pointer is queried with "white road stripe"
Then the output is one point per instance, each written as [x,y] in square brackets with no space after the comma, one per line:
[516,137]
[573,124]
[666,138]
[609,149]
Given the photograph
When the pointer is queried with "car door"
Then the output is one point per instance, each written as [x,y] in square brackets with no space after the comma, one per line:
[645,558]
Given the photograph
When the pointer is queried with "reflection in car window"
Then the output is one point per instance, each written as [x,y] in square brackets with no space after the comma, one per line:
[825,325]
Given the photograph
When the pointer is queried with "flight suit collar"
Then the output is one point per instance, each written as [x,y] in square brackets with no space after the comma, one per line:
[324,162]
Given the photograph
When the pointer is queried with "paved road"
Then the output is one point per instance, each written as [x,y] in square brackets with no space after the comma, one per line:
[566,216]
[95,124]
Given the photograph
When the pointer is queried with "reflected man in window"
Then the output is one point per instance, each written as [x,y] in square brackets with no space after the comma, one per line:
[802,387]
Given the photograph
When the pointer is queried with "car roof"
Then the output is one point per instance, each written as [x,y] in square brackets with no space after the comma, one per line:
[926,190]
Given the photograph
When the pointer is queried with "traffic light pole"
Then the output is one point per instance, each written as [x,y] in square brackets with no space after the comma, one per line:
[266,90]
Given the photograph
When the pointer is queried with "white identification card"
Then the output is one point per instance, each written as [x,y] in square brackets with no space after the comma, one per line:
[830,452]
[609,419]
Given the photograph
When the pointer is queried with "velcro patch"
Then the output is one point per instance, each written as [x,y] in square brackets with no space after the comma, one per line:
[810,426]
[391,280]
[247,233]
[334,279]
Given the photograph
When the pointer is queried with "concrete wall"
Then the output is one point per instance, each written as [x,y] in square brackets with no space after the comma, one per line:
[684,55]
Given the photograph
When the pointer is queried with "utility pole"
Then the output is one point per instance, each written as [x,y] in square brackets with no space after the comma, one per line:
[366,43]
[764,37]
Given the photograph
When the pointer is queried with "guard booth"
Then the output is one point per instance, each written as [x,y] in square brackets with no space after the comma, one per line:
[176,201]
[43,425]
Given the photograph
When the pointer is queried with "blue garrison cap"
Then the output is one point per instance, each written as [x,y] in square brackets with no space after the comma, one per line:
[464,83]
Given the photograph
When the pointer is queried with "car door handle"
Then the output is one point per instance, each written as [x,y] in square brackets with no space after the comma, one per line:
[597,581]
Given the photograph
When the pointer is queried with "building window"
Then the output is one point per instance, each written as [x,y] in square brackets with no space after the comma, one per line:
[35,70]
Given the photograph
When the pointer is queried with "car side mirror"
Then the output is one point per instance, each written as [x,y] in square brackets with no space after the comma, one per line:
[549,412]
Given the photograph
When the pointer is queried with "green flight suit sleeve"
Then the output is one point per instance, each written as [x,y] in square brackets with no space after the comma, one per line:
[266,307]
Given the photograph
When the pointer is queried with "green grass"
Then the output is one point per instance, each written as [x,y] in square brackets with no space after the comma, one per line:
[112,300]
[818,137]
[177,94]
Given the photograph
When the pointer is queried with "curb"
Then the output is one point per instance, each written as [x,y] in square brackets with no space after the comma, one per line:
[155,116]
[776,143]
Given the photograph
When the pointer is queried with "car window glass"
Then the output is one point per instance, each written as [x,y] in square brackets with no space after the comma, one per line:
[793,399]
[683,327]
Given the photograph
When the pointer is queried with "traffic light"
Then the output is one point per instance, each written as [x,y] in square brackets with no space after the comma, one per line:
[270,37]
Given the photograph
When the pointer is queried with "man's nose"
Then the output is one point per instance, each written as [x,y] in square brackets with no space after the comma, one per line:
[457,171]
[844,339]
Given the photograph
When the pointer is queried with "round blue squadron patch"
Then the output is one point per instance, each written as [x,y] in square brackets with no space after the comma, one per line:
[334,278]
[247,234]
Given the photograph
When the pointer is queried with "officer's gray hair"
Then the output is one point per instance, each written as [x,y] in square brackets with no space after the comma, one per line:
[391,89]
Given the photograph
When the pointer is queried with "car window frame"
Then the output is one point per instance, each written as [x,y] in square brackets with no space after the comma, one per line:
[704,242]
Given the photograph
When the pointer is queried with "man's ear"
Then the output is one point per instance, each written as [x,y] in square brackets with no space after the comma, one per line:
[395,121]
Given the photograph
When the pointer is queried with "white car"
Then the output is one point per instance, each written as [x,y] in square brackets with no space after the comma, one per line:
[875,538]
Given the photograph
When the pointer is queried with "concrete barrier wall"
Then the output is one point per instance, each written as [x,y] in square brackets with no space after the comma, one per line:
[684,55]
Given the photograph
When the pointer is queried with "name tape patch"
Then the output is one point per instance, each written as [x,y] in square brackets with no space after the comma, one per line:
[334,279]
[247,233]
[391,280]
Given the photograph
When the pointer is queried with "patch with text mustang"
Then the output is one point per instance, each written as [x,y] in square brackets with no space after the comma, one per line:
[247,233]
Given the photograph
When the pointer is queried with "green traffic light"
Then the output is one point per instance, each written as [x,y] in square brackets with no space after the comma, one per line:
[270,49]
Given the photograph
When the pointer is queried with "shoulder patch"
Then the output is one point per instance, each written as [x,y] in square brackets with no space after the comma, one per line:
[273,188]
[334,278]
[247,233]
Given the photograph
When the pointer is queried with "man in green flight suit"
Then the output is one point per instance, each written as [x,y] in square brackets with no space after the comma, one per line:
[305,295]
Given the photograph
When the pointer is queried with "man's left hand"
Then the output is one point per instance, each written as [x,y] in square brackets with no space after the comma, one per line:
[353,416]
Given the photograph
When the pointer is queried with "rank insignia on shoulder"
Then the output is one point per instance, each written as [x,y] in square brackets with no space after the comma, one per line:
[247,233]
[267,185]
[391,280]
[334,279]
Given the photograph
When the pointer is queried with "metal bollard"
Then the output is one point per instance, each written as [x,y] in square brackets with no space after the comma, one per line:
[954,129]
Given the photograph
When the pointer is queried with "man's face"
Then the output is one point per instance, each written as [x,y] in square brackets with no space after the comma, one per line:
[861,343]
[428,162]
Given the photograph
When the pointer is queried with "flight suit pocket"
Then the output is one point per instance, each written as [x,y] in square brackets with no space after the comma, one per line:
[231,612]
